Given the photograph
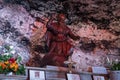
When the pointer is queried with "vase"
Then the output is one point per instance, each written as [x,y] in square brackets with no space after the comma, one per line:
[9,74]
[12,76]
[4,76]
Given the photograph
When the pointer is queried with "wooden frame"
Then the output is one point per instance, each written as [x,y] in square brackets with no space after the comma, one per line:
[35,74]
[72,76]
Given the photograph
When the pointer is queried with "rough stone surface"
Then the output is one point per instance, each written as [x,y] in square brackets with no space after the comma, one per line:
[97,22]
[14,29]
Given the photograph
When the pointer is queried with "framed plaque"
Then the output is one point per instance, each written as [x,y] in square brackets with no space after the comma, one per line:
[72,76]
[34,74]
[99,70]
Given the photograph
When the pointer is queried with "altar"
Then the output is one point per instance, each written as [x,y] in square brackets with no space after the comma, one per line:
[86,31]
[62,73]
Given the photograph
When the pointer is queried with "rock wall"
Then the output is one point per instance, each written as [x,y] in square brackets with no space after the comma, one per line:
[14,29]
[96,22]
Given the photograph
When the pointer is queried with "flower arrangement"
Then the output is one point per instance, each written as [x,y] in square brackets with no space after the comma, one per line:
[10,61]
[114,65]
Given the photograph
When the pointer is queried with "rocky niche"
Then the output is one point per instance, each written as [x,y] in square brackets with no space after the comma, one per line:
[97,43]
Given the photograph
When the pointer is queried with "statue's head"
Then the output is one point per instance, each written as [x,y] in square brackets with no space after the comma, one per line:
[61,17]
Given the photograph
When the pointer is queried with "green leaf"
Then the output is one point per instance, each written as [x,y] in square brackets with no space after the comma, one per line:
[115,66]
[19,59]
[1,70]
[7,47]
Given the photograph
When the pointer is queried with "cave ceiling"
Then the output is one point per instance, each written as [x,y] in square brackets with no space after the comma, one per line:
[101,12]
[104,13]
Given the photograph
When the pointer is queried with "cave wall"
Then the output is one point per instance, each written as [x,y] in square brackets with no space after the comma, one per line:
[14,29]
[97,22]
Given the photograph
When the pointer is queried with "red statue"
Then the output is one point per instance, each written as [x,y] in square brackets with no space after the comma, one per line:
[57,37]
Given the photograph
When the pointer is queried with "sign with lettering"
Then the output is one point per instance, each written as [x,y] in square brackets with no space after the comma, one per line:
[71,76]
[99,70]
[36,75]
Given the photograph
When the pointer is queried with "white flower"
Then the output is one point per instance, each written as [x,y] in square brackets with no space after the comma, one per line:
[116,61]
[13,51]
[6,54]
[11,47]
